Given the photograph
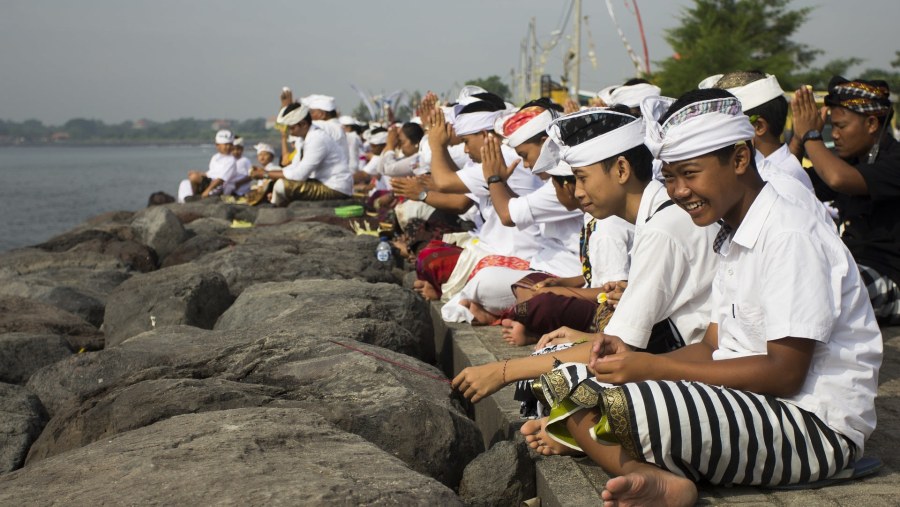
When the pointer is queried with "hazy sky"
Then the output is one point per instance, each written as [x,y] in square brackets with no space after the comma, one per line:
[116,60]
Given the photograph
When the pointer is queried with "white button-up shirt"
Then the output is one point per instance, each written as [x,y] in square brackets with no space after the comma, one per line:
[223,167]
[323,160]
[608,249]
[493,235]
[672,269]
[559,230]
[783,161]
[785,274]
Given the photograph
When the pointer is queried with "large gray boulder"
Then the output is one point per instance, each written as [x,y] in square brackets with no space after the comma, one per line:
[75,281]
[297,250]
[22,354]
[208,226]
[196,247]
[504,475]
[142,404]
[248,456]
[187,294]
[160,229]
[394,318]
[23,315]
[379,398]
[21,419]
[115,241]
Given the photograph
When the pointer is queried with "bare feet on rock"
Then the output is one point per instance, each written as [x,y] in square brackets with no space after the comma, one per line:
[514,333]
[426,290]
[482,316]
[535,431]
[649,485]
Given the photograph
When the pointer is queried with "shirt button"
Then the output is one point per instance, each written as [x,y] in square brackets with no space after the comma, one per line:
[730,272]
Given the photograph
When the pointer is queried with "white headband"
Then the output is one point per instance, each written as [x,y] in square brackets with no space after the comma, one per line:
[694,130]
[479,121]
[631,96]
[263,147]
[601,147]
[752,94]
[378,138]
[292,118]
[316,101]
[531,128]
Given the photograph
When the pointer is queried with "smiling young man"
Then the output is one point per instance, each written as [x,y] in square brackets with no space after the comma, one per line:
[781,389]
[862,176]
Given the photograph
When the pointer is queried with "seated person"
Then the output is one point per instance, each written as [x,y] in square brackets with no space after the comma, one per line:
[780,391]
[218,179]
[667,302]
[243,181]
[320,171]
[862,177]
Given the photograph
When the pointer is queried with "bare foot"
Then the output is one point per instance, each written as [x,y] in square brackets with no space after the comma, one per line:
[514,333]
[426,290]
[649,485]
[482,316]
[535,431]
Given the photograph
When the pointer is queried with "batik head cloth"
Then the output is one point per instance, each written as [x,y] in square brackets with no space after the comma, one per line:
[694,130]
[524,124]
[595,134]
[860,96]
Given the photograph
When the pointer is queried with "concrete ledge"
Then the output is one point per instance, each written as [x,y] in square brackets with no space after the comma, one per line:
[565,482]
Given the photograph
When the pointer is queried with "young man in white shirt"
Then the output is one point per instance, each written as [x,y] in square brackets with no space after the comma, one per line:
[218,178]
[243,180]
[319,172]
[781,389]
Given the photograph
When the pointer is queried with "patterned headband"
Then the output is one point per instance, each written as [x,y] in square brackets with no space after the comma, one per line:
[863,97]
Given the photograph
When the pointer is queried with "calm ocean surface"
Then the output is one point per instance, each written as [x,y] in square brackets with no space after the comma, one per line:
[48,190]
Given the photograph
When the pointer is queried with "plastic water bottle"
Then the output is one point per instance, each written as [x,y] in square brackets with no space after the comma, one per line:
[383,251]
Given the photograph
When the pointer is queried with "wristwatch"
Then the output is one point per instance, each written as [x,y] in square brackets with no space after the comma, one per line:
[494,179]
[811,135]
[422,195]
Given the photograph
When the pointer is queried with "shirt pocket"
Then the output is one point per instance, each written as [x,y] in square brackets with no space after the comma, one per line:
[752,323]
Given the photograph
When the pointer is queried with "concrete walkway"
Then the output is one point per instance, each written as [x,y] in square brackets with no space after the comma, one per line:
[565,482]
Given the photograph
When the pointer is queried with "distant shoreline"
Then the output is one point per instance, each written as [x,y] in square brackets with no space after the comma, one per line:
[112,144]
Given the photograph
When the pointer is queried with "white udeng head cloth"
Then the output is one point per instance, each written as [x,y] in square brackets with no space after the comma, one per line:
[320,102]
[224,137]
[264,147]
[474,122]
[694,130]
[292,118]
[601,147]
[378,138]
[752,94]
[630,96]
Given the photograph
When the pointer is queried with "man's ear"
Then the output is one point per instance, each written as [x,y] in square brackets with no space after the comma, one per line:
[871,123]
[742,158]
[761,127]
[623,169]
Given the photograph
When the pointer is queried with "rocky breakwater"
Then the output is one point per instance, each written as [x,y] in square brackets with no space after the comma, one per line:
[167,357]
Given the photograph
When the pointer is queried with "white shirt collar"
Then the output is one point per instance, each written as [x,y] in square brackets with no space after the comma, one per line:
[654,195]
[751,226]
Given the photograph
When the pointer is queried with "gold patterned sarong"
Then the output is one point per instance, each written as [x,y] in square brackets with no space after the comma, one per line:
[310,190]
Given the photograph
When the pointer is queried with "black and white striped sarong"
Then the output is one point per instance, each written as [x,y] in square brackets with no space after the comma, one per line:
[721,435]
[884,295]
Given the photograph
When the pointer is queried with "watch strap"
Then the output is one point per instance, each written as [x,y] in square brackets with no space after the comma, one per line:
[812,135]
[494,179]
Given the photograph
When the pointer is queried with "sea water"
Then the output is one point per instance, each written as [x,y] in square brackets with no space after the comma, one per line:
[47,190]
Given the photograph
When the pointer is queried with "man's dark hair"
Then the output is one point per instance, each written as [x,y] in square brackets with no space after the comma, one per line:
[413,132]
[635,80]
[774,112]
[545,103]
[488,102]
